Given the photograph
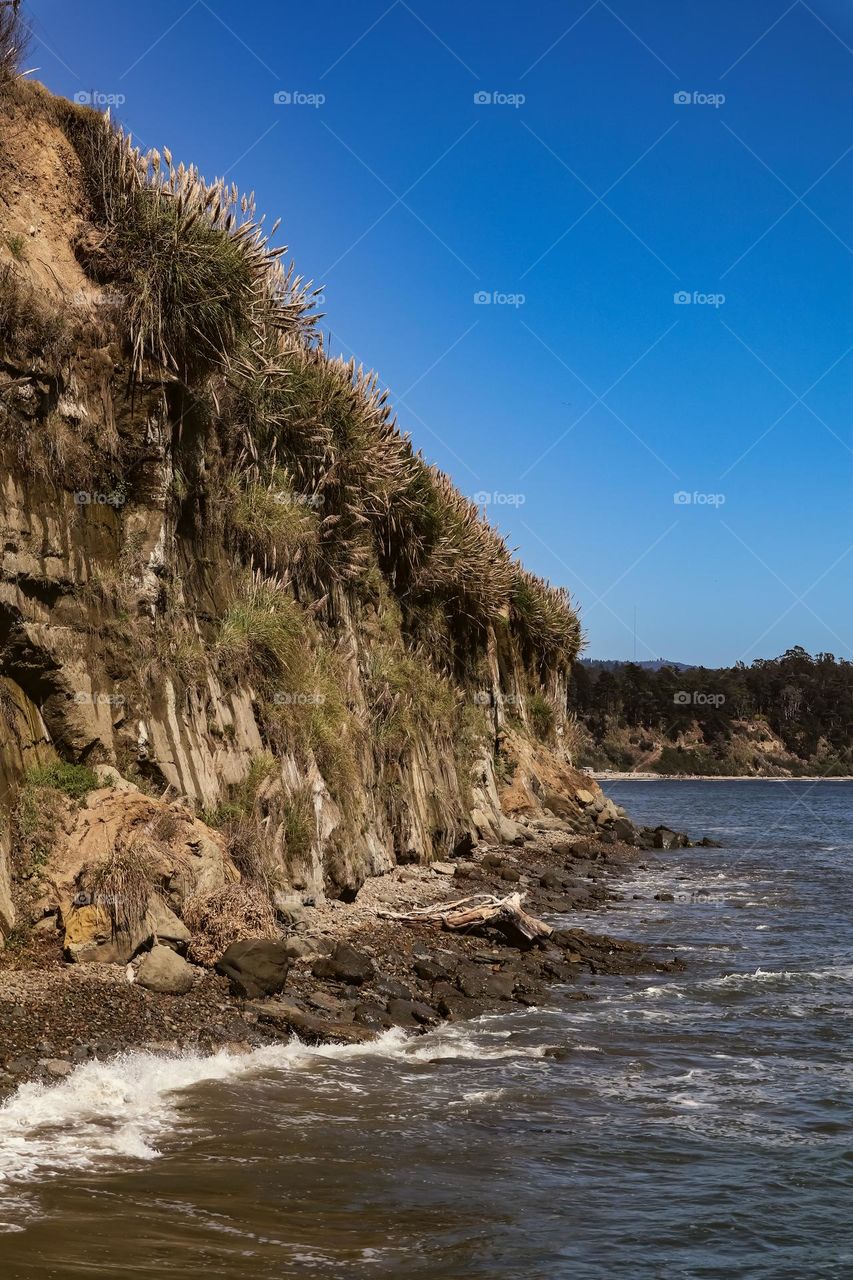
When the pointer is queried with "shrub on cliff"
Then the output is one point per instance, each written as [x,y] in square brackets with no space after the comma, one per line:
[13,39]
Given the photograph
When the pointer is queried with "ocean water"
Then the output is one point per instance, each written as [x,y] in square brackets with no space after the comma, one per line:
[691,1127]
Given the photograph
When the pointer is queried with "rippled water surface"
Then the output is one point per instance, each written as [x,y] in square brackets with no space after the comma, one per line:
[694,1127]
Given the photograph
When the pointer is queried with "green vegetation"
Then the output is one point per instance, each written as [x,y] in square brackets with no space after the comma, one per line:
[263,632]
[73,780]
[541,716]
[17,245]
[40,806]
[792,713]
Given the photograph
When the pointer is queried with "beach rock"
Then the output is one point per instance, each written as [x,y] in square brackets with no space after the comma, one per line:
[391,988]
[665,838]
[255,966]
[411,1013]
[165,926]
[584,797]
[310,1029]
[345,964]
[443,868]
[429,969]
[58,1068]
[372,1015]
[163,970]
[479,983]
[707,843]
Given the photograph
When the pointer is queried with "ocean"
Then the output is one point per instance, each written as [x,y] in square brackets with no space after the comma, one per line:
[695,1126]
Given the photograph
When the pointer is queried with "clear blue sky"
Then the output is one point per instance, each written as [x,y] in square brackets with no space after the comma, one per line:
[405,197]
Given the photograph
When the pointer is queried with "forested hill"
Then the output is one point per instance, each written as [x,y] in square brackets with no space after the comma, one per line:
[779,717]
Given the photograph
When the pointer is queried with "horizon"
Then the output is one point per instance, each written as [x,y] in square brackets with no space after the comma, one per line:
[588,214]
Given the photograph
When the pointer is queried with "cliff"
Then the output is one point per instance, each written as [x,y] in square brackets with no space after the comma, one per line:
[228,581]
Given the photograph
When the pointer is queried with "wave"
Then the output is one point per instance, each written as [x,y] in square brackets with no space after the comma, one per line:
[125,1106]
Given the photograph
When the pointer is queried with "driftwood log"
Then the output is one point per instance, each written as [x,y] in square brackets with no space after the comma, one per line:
[472,914]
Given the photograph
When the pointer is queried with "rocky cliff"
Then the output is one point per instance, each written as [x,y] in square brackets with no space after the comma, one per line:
[230,588]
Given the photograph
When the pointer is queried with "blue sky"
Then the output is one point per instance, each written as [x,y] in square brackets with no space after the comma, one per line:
[580,199]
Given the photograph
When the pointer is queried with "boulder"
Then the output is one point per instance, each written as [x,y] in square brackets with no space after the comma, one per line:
[411,1013]
[584,797]
[345,964]
[163,970]
[90,938]
[625,831]
[310,1029]
[255,966]
[165,926]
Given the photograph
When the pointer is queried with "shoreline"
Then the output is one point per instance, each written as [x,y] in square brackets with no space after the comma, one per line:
[616,776]
[356,973]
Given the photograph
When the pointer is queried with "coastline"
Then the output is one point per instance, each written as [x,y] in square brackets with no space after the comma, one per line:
[356,971]
[614,776]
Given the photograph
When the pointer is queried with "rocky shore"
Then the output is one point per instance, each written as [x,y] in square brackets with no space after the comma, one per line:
[341,971]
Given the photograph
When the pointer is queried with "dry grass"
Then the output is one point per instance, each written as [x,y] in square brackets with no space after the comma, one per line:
[13,40]
[122,884]
[228,915]
[199,275]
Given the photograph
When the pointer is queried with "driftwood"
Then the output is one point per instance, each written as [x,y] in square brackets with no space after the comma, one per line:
[504,914]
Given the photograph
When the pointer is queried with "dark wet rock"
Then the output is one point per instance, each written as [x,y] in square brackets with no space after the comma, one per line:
[664,897]
[510,874]
[552,880]
[429,969]
[371,1014]
[665,838]
[479,983]
[345,964]
[707,843]
[408,1013]
[307,1026]
[626,831]
[391,988]
[255,966]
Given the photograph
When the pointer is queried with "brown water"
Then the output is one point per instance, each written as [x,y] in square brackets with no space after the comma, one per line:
[695,1127]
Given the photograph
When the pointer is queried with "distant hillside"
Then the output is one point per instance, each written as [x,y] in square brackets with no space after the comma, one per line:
[655,664]
[781,717]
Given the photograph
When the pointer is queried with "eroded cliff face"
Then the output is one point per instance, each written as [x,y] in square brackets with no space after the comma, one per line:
[130,597]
